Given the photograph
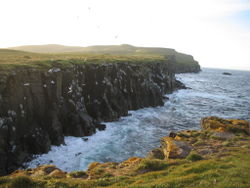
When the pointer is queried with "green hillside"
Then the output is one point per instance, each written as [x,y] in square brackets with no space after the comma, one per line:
[184,62]
[10,59]
[100,49]
[48,48]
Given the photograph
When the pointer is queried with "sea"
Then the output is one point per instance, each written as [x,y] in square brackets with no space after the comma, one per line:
[209,93]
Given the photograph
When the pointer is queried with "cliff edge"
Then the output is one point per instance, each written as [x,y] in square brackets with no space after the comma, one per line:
[46,97]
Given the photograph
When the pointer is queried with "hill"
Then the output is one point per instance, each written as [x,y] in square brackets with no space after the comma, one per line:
[184,62]
[100,49]
[48,48]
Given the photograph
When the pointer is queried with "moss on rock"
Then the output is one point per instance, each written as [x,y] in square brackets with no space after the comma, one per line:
[217,124]
[174,149]
[156,153]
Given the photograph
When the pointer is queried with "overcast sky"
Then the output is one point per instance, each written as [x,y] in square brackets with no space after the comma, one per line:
[215,32]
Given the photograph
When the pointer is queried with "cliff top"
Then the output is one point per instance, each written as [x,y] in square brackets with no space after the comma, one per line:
[12,58]
[124,49]
[44,55]
[218,155]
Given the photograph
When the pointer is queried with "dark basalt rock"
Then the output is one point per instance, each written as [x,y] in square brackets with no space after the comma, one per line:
[85,139]
[165,97]
[39,107]
[100,127]
[227,73]
[172,134]
[156,153]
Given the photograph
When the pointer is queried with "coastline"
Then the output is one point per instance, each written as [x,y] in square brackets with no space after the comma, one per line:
[42,104]
[197,158]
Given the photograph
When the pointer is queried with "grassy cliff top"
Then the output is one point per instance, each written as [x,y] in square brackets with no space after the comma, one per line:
[14,58]
[124,49]
[35,55]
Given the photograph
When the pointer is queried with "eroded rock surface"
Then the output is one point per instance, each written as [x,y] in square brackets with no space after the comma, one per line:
[39,106]
[174,149]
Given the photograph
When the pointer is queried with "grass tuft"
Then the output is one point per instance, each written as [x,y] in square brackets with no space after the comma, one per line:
[151,165]
[21,182]
[194,157]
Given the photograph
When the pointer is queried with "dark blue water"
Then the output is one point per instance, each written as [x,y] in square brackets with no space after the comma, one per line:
[211,94]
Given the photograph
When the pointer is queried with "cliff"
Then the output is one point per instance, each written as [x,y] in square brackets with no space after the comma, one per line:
[43,99]
[218,156]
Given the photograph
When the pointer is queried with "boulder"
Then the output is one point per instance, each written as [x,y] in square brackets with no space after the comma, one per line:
[48,168]
[100,126]
[172,134]
[174,149]
[38,173]
[43,170]
[156,153]
[58,174]
[217,124]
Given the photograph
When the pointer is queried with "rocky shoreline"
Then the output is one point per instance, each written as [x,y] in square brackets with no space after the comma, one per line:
[189,150]
[39,106]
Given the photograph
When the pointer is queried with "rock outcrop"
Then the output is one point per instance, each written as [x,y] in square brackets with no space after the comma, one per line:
[39,106]
[217,124]
[174,149]
[227,73]
[214,131]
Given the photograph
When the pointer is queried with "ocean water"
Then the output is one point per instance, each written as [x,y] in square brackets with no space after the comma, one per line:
[211,94]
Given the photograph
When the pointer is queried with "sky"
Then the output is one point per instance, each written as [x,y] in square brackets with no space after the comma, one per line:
[215,32]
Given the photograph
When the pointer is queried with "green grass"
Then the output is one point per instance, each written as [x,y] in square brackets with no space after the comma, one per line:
[77,174]
[11,59]
[151,165]
[21,182]
[229,172]
[194,157]
[232,171]
[49,55]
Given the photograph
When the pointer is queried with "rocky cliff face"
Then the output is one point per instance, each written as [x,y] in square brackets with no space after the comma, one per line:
[38,107]
[185,63]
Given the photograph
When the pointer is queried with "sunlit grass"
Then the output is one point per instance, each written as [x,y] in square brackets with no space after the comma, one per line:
[18,58]
[229,172]
[96,54]
[222,173]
